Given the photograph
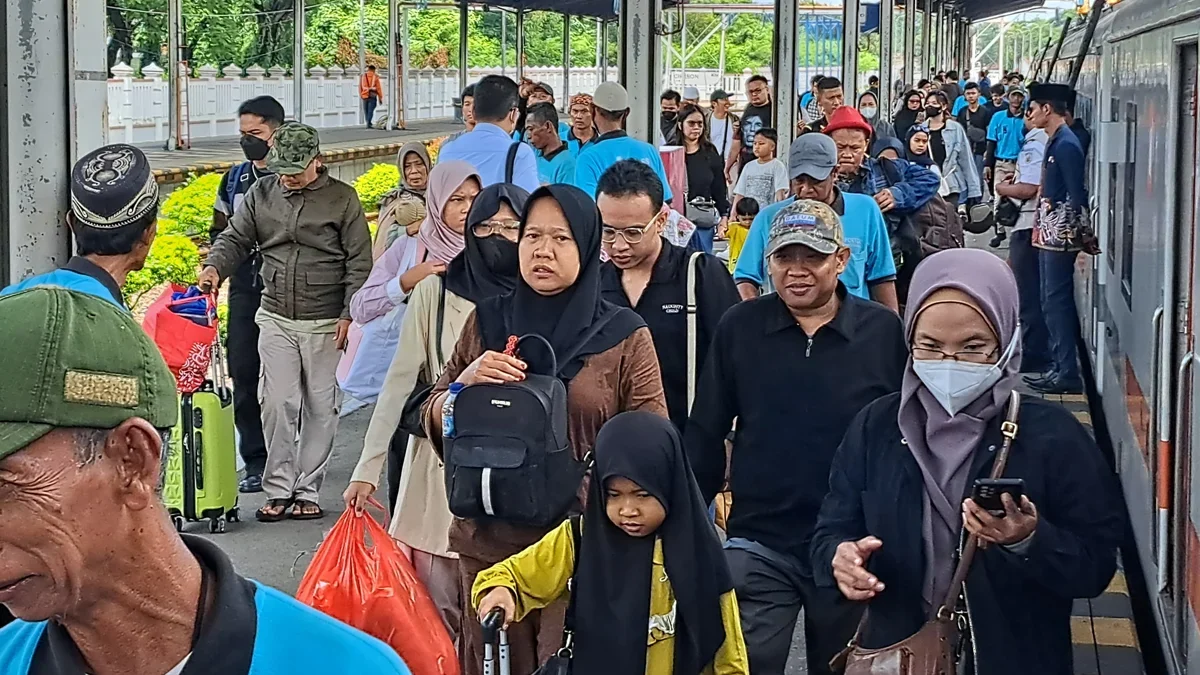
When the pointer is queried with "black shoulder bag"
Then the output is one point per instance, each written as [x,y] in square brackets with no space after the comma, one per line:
[410,419]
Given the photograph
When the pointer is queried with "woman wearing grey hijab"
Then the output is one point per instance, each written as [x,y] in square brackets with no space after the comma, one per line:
[900,486]
[402,210]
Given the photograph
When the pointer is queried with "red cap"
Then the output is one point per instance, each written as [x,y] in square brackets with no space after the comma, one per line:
[846,117]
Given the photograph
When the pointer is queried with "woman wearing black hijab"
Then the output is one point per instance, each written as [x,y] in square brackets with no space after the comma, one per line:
[615,370]
[486,267]
[645,533]
[913,104]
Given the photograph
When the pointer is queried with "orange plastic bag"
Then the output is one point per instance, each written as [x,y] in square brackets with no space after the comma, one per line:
[375,589]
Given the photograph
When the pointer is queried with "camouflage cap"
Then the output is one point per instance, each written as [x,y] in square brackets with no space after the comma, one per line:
[807,223]
[294,146]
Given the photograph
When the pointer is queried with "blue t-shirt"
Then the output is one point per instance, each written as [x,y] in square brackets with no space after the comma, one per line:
[959,104]
[613,147]
[559,168]
[1009,134]
[865,234]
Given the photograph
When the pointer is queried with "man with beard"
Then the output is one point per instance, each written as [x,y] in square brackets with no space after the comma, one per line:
[652,276]
[258,119]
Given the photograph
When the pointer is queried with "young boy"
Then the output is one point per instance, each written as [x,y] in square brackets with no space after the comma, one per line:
[744,211]
[765,179]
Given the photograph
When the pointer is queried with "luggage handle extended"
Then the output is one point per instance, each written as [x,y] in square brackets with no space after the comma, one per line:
[495,644]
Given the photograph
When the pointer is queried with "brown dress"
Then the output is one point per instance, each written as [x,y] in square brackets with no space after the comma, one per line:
[621,379]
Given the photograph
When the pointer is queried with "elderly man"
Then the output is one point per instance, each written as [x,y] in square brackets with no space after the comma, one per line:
[316,253]
[556,164]
[91,564]
[114,219]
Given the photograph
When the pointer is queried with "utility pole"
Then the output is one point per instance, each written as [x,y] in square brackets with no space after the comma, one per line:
[886,17]
[298,63]
[174,54]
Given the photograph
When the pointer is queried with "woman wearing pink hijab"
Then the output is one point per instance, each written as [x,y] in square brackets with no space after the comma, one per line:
[378,307]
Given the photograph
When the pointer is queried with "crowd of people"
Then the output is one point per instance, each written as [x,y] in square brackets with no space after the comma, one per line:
[782,379]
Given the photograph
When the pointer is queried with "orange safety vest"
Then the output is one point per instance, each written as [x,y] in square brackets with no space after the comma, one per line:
[370,84]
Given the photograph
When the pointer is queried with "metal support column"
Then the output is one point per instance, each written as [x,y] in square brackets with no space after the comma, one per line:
[395,69]
[298,63]
[909,75]
[52,59]
[886,20]
[174,55]
[464,18]
[785,70]
[850,30]
[926,41]
[520,45]
[640,65]
[604,24]
[503,42]
[565,97]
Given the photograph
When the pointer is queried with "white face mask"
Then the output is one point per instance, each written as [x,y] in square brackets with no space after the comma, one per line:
[956,384]
[868,113]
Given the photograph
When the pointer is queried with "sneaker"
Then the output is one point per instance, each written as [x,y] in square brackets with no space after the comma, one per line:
[997,240]
[251,484]
[1057,387]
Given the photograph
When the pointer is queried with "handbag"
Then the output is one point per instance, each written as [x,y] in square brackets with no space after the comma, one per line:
[703,213]
[935,649]
[410,418]
[560,663]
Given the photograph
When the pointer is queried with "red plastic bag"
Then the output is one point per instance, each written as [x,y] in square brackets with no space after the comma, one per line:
[375,589]
[185,345]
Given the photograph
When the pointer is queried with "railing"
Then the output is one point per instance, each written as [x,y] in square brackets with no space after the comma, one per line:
[138,105]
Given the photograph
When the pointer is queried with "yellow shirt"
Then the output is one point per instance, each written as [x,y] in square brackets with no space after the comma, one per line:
[538,576]
[736,234]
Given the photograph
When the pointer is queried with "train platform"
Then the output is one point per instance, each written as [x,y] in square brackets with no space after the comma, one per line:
[340,144]
[1102,629]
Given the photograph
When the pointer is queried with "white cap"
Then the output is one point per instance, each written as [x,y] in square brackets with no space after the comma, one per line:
[611,96]
[691,93]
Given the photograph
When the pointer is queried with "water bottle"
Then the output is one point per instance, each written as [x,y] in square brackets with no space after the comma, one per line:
[448,410]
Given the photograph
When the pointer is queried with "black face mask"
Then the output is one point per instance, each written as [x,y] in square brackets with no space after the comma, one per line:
[254,148]
[500,255]
[932,111]
[669,114]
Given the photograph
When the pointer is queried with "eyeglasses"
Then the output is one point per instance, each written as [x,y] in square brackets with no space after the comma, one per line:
[695,123]
[489,227]
[969,355]
[631,235]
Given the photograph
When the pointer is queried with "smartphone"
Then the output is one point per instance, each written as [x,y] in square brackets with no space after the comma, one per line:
[987,493]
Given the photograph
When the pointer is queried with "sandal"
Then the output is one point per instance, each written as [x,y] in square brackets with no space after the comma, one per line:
[269,513]
[303,509]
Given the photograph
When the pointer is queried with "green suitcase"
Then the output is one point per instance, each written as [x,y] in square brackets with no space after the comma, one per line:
[201,482]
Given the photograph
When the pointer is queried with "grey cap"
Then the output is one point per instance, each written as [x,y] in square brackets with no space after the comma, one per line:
[691,93]
[808,223]
[611,96]
[813,155]
[719,95]
[545,87]
[1017,89]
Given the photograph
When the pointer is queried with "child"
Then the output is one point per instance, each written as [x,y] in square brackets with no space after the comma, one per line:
[744,211]
[765,179]
[644,523]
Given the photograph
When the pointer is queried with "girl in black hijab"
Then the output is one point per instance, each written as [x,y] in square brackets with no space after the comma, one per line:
[913,104]
[558,294]
[646,533]
[487,267]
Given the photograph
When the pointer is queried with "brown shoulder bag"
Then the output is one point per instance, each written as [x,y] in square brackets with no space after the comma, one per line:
[933,650]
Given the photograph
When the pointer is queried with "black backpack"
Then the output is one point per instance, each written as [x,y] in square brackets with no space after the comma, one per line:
[510,458]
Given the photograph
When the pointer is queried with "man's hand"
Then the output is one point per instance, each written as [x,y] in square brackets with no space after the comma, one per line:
[850,571]
[987,174]
[526,87]
[209,279]
[886,200]
[342,335]
[1017,523]
[722,227]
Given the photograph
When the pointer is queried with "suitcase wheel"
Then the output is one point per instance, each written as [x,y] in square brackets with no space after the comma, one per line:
[178,522]
[216,526]
[233,516]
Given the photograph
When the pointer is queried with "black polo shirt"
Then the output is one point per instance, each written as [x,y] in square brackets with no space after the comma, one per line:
[793,395]
[663,307]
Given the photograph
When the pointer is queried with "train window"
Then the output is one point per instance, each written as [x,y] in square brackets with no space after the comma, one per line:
[1129,194]
[1110,245]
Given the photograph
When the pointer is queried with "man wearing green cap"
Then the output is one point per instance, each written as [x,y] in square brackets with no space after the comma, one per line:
[90,563]
[316,253]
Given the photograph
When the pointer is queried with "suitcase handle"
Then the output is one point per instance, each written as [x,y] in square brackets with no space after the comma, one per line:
[492,624]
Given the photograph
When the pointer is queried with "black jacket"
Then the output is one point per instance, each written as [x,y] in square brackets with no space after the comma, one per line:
[1020,604]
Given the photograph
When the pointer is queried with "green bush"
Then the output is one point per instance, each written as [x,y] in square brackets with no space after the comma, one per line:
[374,184]
[173,258]
[188,210]
[223,319]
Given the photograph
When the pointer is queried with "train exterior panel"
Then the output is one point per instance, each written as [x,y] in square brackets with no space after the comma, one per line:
[1137,93]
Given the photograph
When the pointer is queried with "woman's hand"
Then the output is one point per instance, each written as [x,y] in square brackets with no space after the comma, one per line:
[413,276]
[494,368]
[850,571]
[357,494]
[1014,527]
[498,598]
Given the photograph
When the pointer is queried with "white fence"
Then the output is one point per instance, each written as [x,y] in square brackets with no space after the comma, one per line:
[137,106]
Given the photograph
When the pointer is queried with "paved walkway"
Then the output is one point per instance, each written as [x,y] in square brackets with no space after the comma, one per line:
[338,144]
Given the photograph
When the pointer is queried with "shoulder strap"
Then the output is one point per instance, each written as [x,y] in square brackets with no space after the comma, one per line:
[510,162]
[1009,429]
[569,623]
[692,334]
[441,320]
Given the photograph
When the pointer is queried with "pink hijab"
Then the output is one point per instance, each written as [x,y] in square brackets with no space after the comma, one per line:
[443,243]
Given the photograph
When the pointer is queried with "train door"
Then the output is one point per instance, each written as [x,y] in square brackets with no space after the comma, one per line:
[1174,458]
